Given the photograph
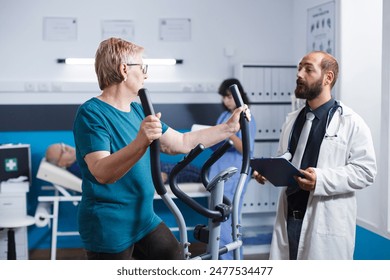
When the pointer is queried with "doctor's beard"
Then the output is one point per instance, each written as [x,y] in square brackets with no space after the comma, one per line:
[304,91]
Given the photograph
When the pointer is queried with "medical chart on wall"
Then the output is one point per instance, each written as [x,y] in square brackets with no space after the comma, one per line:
[118,28]
[175,29]
[59,29]
[321,28]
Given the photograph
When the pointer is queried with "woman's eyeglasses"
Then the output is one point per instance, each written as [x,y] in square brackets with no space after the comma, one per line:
[144,67]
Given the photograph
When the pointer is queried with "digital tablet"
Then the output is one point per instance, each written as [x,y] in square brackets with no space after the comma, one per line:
[279,171]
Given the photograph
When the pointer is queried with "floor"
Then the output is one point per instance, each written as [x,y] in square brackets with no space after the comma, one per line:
[62,254]
[78,253]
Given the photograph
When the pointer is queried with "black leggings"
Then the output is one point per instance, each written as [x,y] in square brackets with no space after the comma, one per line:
[159,244]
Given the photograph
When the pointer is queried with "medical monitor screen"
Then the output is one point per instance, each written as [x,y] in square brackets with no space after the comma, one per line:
[14,162]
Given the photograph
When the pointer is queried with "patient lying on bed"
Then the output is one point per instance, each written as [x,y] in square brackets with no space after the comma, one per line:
[64,156]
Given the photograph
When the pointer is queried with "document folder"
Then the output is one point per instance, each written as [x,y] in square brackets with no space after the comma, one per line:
[279,171]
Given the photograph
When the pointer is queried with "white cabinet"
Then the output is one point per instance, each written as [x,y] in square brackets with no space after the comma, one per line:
[13,205]
[257,217]
[21,245]
[270,89]
[15,180]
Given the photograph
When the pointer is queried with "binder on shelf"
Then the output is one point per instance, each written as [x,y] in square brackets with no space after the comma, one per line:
[267,96]
[275,78]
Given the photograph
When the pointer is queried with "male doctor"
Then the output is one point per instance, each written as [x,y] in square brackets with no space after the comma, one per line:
[316,218]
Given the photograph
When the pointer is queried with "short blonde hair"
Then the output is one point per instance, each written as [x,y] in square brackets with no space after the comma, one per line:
[110,54]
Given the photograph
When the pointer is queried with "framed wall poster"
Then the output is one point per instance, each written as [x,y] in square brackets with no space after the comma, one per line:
[175,29]
[321,28]
[59,29]
[124,29]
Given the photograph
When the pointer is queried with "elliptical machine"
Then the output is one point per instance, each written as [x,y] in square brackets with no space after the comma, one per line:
[219,207]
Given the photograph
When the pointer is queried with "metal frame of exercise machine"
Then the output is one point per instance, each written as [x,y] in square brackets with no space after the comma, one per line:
[219,207]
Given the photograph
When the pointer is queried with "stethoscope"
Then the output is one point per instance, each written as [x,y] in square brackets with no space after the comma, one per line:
[336,107]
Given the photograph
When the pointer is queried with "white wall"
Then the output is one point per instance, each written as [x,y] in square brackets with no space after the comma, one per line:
[256,30]
[359,52]
[384,215]
[361,88]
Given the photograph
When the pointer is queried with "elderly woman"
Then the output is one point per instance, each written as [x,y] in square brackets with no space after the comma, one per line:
[112,136]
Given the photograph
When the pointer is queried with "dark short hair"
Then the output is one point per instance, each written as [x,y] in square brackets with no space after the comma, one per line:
[224,89]
[329,63]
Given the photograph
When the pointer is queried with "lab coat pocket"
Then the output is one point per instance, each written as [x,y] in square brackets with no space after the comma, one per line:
[333,152]
[332,217]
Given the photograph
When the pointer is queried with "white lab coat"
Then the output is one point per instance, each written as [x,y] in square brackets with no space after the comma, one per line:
[346,163]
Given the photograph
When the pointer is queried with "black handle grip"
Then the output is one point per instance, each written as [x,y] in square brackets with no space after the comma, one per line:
[212,159]
[244,124]
[236,95]
[204,175]
[154,146]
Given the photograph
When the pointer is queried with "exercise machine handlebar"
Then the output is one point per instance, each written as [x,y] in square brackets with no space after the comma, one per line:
[217,154]
[244,125]
[213,158]
[154,146]
[212,214]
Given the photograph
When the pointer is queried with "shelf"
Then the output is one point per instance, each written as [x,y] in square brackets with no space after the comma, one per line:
[270,88]
[256,249]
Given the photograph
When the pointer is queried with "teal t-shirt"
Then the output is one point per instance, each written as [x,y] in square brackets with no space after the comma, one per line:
[111,217]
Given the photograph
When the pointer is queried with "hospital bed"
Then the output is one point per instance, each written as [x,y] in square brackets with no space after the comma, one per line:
[67,188]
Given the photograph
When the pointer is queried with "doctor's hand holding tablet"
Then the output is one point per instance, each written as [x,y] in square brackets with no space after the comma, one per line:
[280,172]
